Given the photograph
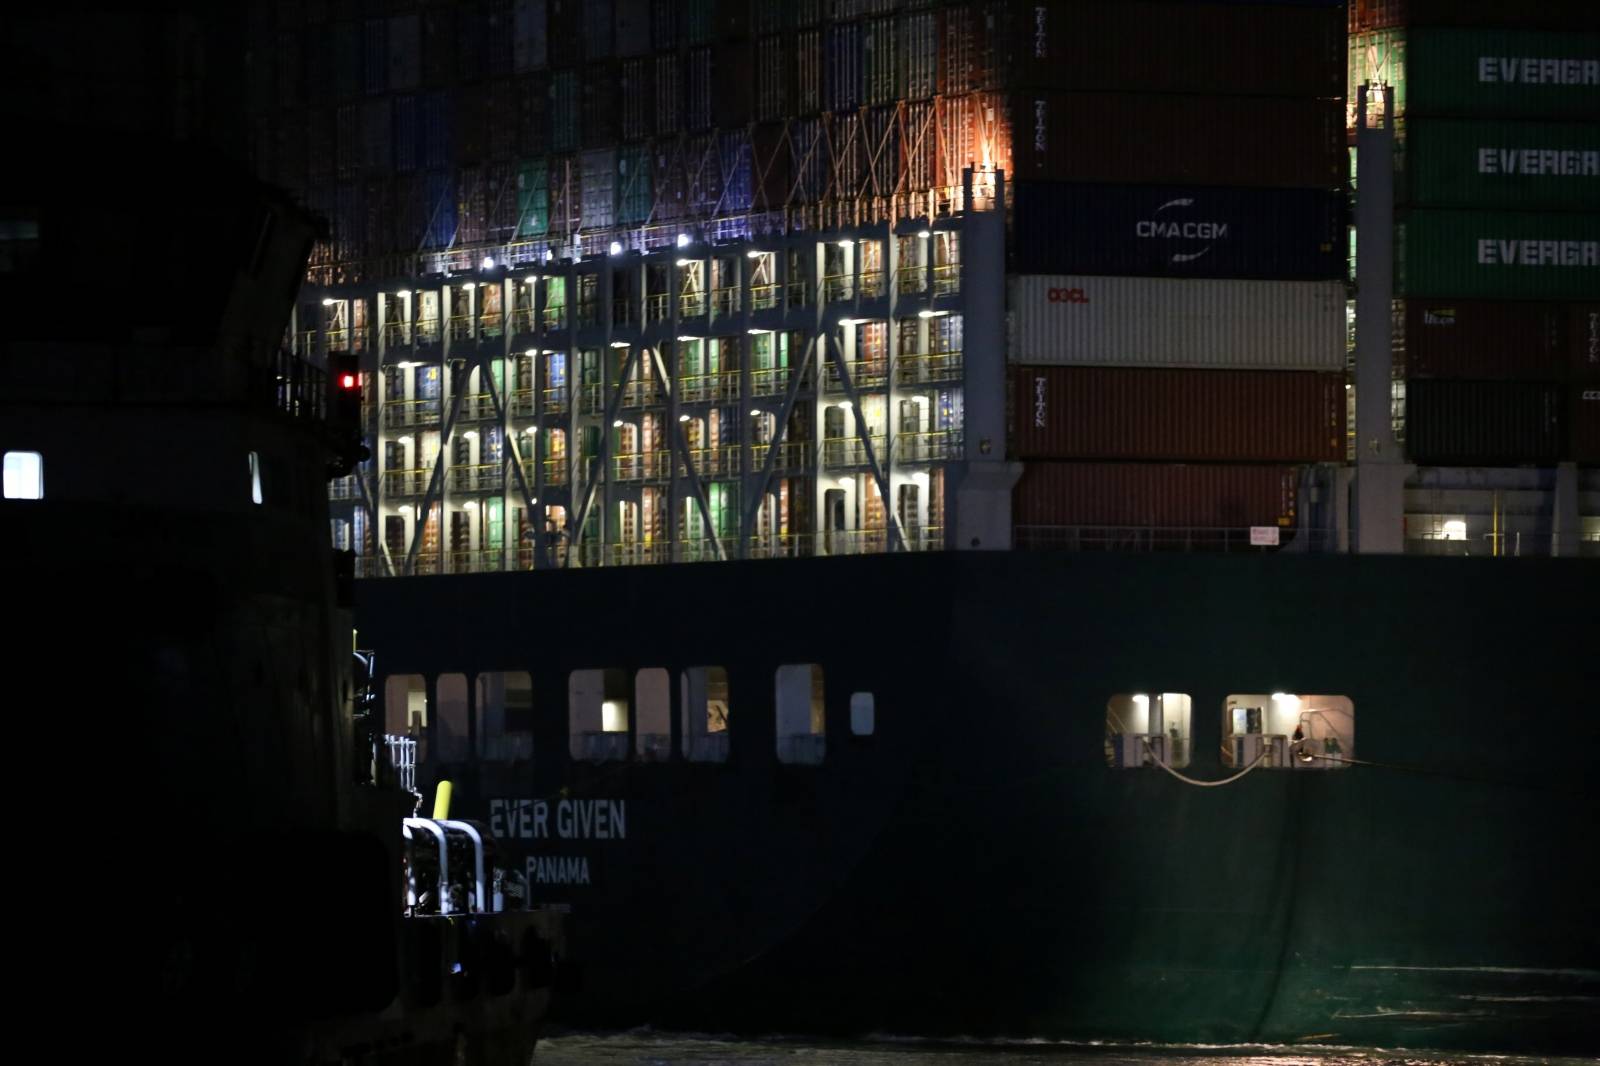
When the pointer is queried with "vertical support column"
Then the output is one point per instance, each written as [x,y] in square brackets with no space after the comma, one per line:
[1379,504]
[981,495]
[747,406]
[1566,529]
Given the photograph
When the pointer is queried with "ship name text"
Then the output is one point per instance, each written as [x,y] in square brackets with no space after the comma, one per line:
[568,819]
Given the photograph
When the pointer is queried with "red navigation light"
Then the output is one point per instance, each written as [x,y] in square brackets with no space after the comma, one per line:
[347,381]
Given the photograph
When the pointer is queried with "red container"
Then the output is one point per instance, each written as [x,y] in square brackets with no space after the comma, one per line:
[1144,46]
[472,123]
[1545,14]
[731,82]
[770,166]
[1484,423]
[1586,423]
[1154,494]
[1237,416]
[599,116]
[1468,339]
[1583,340]
[1155,139]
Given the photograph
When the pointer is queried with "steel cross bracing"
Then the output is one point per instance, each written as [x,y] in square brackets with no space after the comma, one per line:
[929,142]
[530,320]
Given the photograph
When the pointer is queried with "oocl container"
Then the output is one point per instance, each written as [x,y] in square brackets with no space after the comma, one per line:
[1163,322]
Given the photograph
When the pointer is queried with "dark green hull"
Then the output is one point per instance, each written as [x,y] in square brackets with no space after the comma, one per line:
[975,867]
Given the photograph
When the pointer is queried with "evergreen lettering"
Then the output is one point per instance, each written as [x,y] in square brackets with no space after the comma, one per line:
[1493,252]
[1562,162]
[1530,71]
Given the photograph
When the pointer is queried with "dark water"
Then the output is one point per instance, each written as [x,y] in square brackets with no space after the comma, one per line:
[643,1048]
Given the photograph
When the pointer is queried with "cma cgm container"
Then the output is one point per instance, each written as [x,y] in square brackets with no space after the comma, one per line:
[1259,416]
[1498,255]
[1523,341]
[1160,322]
[1146,46]
[1529,166]
[1467,73]
[1201,140]
[1155,494]
[1483,422]
[1545,14]
[1193,231]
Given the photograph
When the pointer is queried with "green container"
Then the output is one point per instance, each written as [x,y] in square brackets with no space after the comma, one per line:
[1497,255]
[1467,73]
[634,196]
[1514,165]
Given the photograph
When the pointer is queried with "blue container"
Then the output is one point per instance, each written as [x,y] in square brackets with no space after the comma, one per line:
[440,205]
[1178,231]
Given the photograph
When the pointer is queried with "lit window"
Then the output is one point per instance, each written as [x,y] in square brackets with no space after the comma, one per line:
[801,718]
[862,714]
[705,713]
[598,702]
[405,703]
[1147,729]
[1283,730]
[255,477]
[652,688]
[505,716]
[1455,529]
[24,476]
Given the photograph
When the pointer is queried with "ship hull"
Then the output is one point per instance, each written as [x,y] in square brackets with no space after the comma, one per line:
[974,866]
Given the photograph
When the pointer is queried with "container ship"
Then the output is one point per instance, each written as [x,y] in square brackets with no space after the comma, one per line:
[1093,411]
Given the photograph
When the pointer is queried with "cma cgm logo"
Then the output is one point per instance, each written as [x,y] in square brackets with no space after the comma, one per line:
[1067,296]
[1172,227]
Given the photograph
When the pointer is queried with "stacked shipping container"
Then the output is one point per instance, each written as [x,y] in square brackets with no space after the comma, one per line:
[1178,318]
[1497,115]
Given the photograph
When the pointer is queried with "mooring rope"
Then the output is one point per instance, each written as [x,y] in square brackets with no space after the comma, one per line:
[1195,780]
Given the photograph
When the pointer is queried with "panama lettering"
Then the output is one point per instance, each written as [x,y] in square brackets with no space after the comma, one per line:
[1529,71]
[1561,162]
[1493,252]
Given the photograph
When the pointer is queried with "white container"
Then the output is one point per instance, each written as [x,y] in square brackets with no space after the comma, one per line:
[1084,320]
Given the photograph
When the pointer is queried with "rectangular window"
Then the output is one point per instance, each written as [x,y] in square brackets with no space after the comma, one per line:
[801,714]
[704,691]
[451,729]
[863,714]
[598,702]
[1282,730]
[652,689]
[1146,729]
[255,477]
[405,703]
[505,716]
[24,475]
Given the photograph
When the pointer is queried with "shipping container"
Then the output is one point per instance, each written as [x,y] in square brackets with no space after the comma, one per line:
[882,132]
[841,68]
[1585,420]
[1497,255]
[1150,46]
[347,55]
[291,72]
[919,146]
[564,22]
[1520,341]
[847,140]
[503,115]
[668,96]
[633,91]
[731,81]
[1155,495]
[405,55]
[1157,322]
[633,184]
[633,27]
[565,194]
[347,139]
[1483,423]
[699,20]
[438,147]
[770,151]
[702,167]
[1233,416]
[377,134]
[772,79]
[471,123]
[1584,336]
[497,57]
[438,37]
[808,159]
[598,27]
[917,56]
[1545,14]
[1178,231]
[1478,73]
[600,117]
[697,85]
[735,166]
[533,114]
[667,180]
[528,35]
[472,42]
[533,199]
[878,61]
[808,71]
[1202,140]
[599,180]
[664,24]
[565,102]
[472,206]
[1527,166]
[501,192]
[439,206]
[375,68]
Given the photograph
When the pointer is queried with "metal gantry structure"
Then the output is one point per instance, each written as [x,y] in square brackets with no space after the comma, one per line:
[684,396]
